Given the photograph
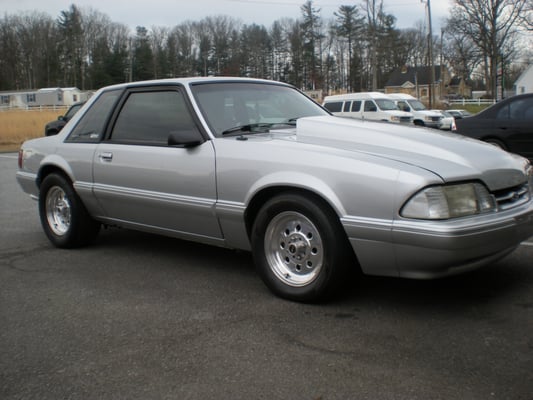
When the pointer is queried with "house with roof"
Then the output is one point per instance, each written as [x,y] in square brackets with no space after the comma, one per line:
[524,83]
[46,97]
[416,81]
[459,88]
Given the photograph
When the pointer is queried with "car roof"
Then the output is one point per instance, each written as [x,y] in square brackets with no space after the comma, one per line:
[189,81]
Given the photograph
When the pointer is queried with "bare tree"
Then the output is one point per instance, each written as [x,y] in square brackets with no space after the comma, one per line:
[526,18]
[350,26]
[311,30]
[372,9]
[491,25]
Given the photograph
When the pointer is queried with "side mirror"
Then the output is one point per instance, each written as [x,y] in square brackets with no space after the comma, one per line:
[61,118]
[185,139]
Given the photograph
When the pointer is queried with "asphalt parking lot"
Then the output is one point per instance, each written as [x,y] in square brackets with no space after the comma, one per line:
[137,316]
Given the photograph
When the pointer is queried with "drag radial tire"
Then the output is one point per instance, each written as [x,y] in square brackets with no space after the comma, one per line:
[300,248]
[64,218]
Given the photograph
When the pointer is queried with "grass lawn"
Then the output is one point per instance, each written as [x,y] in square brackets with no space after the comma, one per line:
[16,126]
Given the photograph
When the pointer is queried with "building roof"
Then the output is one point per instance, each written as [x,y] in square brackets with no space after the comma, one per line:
[58,89]
[410,76]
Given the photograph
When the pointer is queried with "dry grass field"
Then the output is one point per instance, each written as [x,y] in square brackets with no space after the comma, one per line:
[16,126]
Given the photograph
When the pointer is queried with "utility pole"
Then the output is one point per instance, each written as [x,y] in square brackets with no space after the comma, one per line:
[430,56]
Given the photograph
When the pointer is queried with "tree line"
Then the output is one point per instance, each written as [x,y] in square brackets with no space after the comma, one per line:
[356,50]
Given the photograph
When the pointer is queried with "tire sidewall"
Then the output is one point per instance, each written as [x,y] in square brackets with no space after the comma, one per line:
[332,238]
[71,238]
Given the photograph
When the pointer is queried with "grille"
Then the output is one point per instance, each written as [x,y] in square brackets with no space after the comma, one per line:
[512,197]
[405,119]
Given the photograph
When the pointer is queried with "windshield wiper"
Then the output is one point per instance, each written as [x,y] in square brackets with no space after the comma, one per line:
[259,127]
[248,128]
[291,121]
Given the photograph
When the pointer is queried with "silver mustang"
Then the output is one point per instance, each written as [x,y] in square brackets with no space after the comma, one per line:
[256,165]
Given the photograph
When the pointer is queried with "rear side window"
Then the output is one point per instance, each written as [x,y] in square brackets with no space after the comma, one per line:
[503,113]
[347,106]
[521,108]
[150,117]
[334,106]
[356,106]
[90,128]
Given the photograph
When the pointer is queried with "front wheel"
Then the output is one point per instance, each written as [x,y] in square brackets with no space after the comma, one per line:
[64,218]
[299,247]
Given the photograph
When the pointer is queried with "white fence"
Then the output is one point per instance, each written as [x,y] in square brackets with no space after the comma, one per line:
[477,102]
[34,108]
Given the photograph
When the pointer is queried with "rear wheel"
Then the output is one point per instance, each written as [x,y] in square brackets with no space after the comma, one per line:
[64,218]
[299,247]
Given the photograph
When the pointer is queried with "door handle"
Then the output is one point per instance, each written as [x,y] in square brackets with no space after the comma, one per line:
[106,156]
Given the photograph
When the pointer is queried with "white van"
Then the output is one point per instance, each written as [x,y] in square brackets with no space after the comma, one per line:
[422,116]
[367,105]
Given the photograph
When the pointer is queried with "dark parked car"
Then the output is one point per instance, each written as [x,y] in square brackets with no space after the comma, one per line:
[458,114]
[53,127]
[507,124]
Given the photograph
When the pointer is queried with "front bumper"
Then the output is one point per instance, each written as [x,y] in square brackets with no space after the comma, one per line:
[433,249]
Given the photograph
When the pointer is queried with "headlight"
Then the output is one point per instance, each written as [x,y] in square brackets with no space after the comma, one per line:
[395,118]
[451,201]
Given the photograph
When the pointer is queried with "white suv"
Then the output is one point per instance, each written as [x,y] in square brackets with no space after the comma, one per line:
[422,116]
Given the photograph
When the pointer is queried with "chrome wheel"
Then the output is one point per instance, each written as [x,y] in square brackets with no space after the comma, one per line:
[58,211]
[293,248]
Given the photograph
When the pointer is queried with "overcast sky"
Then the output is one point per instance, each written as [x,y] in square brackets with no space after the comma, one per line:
[169,13]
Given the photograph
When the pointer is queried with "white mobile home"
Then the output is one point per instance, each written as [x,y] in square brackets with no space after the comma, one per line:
[47,97]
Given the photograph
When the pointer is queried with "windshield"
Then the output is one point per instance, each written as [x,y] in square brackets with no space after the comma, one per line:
[386,105]
[416,105]
[228,106]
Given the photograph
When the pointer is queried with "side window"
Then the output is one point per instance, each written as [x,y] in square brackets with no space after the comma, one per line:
[370,106]
[403,106]
[150,118]
[521,108]
[528,109]
[356,106]
[71,111]
[90,128]
[335,106]
[503,113]
[347,106]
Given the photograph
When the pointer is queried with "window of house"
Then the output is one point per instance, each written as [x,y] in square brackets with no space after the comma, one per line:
[5,100]
[30,97]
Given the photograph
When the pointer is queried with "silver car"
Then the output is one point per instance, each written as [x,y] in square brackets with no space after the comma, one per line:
[258,166]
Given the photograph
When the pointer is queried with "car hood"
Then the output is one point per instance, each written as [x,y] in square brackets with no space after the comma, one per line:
[452,157]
